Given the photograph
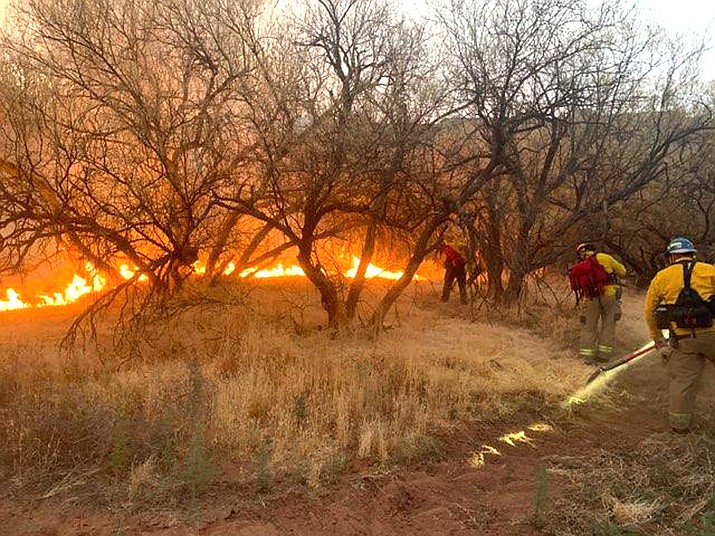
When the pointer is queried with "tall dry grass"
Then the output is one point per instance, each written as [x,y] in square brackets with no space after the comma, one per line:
[256,393]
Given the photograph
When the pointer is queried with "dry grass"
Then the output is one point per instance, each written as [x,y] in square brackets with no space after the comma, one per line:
[265,395]
[666,486]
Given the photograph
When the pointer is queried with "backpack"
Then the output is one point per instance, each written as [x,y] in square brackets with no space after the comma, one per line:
[588,278]
[690,310]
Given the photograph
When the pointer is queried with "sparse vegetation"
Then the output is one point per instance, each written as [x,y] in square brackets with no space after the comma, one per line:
[247,401]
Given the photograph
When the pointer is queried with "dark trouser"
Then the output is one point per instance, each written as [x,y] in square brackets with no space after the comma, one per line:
[450,274]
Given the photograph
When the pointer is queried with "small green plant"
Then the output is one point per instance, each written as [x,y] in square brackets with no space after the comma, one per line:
[429,448]
[119,455]
[300,409]
[198,470]
[707,521]
[167,447]
[541,496]
[708,517]
[262,459]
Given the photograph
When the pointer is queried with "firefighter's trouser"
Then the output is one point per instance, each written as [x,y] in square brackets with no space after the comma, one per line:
[451,274]
[685,365]
[599,317]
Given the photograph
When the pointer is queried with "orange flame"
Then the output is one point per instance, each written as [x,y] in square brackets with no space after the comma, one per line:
[277,271]
[94,282]
[13,301]
[74,291]
[372,271]
[127,273]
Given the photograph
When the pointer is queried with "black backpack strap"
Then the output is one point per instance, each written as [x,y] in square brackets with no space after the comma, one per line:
[687,273]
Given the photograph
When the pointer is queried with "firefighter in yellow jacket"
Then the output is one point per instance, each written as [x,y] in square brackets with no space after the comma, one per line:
[692,334]
[597,338]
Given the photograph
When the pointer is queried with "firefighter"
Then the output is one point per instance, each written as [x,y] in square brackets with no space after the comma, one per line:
[600,306]
[689,320]
[454,269]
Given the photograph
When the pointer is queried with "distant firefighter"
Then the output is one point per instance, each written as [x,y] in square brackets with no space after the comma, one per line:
[594,280]
[454,269]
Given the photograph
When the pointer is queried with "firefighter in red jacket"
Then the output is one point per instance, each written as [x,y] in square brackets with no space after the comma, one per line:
[601,309]
[454,269]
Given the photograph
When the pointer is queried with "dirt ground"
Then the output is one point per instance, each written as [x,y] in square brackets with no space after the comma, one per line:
[449,496]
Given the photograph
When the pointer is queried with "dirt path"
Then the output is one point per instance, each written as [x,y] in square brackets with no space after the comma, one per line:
[448,497]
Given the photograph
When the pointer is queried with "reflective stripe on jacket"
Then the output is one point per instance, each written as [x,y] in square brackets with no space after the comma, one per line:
[667,284]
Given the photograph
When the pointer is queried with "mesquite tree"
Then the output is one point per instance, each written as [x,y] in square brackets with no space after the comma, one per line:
[157,132]
[344,106]
[120,124]
[579,109]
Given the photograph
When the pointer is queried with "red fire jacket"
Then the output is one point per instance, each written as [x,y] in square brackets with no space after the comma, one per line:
[452,256]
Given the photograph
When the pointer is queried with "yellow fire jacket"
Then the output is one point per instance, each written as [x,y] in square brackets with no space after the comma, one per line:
[667,284]
[612,266]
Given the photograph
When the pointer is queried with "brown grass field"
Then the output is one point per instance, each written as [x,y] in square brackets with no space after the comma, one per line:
[251,402]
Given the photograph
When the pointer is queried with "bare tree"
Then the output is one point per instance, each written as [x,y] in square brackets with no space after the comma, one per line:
[579,113]
[121,123]
[153,134]
[680,202]
[345,106]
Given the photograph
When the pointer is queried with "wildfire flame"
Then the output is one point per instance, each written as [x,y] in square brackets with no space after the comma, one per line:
[276,271]
[94,282]
[13,301]
[372,271]
[78,287]
[127,273]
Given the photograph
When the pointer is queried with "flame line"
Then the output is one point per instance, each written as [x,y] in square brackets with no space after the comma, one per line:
[93,282]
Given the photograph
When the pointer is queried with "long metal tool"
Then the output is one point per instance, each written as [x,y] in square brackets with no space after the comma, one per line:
[622,361]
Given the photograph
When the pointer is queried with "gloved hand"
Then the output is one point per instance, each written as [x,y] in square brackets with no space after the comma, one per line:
[619,293]
[663,348]
[660,342]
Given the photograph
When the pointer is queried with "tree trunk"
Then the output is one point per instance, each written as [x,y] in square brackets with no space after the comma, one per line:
[358,283]
[514,288]
[220,246]
[493,254]
[422,248]
[330,298]
[520,265]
